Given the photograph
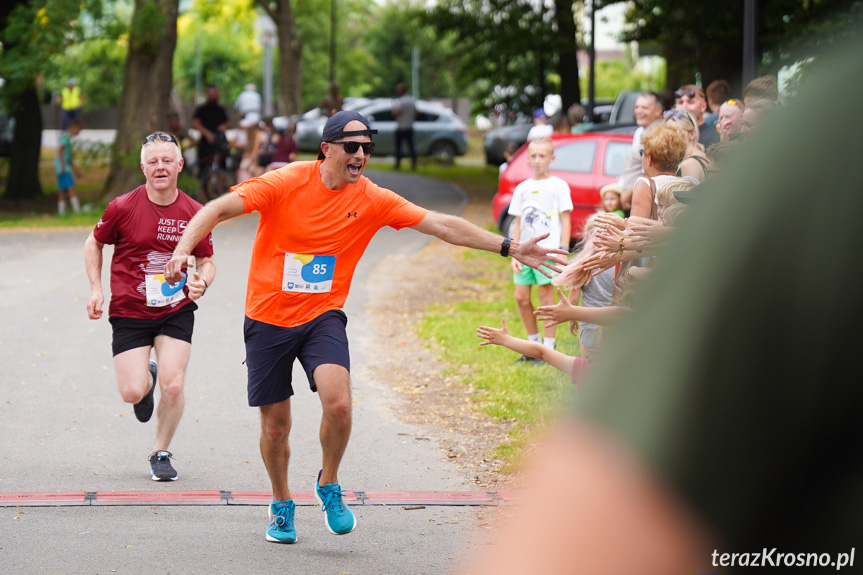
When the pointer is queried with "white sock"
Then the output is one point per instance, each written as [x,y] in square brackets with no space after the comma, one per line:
[61,207]
[534,337]
[548,342]
[76,204]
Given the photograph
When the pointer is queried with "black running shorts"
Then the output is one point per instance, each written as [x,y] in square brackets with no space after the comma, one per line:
[271,351]
[132,333]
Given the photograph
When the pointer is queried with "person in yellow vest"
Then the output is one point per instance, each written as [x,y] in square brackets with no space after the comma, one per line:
[71,100]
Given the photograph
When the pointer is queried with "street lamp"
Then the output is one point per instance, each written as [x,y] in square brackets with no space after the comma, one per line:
[267,37]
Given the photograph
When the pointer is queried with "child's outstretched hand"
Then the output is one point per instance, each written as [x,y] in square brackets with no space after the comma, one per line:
[492,335]
[552,315]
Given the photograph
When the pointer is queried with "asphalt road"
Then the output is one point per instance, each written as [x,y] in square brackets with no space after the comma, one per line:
[63,427]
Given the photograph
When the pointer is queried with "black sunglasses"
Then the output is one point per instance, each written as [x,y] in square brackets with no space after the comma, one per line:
[688,93]
[352,147]
[161,136]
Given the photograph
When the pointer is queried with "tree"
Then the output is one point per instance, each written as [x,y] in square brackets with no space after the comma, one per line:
[398,28]
[147,85]
[707,38]
[32,32]
[509,48]
[290,54]
[218,40]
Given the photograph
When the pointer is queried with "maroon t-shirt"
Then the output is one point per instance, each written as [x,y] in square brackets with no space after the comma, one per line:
[144,236]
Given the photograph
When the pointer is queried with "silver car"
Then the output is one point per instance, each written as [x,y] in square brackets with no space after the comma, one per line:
[438,131]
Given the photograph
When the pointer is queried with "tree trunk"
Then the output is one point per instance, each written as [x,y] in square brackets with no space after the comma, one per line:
[23,181]
[145,102]
[290,55]
[567,54]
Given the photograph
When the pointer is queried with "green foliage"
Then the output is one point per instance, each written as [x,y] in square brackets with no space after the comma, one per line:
[221,36]
[707,38]
[98,64]
[615,76]
[38,30]
[810,28]
[353,60]
[507,49]
[398,28]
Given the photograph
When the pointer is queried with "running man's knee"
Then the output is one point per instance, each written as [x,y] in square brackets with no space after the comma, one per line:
[275,422]
[171,389]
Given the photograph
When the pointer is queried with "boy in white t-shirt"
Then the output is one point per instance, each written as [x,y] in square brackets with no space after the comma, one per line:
[541,204]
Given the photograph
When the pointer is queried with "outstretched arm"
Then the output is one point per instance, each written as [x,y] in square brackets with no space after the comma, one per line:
[562,311]
[501,337]
[460,232]
[221,209]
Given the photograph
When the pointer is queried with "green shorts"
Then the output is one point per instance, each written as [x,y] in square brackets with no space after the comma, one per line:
[529,276]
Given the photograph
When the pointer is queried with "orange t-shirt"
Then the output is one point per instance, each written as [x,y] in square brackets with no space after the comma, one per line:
[310,239]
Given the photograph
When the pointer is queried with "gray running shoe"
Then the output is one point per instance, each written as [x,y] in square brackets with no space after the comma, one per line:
[160,466]
[144,408]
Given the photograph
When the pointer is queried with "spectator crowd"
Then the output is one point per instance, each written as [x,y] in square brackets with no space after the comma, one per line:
[675,154]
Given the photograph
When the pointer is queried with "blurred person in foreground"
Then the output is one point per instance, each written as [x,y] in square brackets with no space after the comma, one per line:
[728,429]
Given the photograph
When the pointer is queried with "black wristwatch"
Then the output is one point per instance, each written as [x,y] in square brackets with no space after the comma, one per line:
[504,247]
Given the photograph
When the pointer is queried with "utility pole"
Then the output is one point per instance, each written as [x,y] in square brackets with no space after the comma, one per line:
[750,40]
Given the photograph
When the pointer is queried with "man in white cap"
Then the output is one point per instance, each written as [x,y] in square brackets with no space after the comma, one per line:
[248,101]
[316,219]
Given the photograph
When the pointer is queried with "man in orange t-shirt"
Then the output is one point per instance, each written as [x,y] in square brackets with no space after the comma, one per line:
[316,219]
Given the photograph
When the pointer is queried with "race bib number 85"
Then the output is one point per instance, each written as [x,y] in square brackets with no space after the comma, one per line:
[307,273]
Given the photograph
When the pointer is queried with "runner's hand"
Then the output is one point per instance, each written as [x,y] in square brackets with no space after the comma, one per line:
[94,306]
[174,268]
[530,253]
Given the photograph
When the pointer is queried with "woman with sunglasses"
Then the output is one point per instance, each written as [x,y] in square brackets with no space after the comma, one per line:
[663,148]
[695,164]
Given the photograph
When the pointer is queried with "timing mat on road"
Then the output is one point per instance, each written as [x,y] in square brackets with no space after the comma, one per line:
[221,497]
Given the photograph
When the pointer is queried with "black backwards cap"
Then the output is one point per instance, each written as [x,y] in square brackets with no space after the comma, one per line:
[335,128]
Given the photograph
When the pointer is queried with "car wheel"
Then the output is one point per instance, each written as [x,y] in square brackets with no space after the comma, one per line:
[506,224]
[443,151]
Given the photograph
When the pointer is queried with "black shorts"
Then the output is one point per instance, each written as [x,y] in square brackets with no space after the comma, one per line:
[132,333]
[271,351]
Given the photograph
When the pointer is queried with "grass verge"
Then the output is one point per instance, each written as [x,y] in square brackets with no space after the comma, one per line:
[525,396]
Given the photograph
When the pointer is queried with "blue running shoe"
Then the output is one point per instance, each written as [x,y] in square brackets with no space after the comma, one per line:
[337,517]
[281,527]
[144,408]
[160,466]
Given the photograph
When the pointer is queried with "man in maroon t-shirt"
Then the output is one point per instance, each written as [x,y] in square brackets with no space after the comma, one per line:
[146,311]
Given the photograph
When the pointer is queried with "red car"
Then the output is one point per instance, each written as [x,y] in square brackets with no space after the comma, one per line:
[585,161]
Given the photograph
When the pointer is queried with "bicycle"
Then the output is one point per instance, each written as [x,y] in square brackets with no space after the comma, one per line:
[216,174]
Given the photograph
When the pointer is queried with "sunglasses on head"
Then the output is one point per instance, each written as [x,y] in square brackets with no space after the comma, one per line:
[160,136]
[733,102]
[687,93]
[674,114]
[352,147]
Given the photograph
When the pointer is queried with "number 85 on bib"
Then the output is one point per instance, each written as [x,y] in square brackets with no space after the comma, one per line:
[308,273]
